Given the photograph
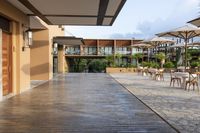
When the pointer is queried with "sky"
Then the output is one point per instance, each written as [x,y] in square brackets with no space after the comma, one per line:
[142,19]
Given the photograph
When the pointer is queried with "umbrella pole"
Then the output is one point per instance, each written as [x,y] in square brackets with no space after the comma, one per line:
[142,57]
[185,54]
[186,39]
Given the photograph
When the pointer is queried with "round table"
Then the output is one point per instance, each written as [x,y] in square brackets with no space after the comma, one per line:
[184,76]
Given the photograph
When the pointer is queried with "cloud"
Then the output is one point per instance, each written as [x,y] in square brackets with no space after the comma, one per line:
[184,12]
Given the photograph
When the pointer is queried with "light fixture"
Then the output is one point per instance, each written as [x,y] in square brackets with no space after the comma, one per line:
[27,36]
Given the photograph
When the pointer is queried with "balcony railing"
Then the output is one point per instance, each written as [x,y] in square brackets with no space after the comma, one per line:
[124,52]
[73,52]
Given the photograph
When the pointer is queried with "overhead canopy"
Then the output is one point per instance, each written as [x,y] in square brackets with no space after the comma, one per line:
[195,22]
[35,23]
[68,41]
[72,12]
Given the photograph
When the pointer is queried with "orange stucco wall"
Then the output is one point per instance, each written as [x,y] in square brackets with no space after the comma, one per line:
[41,52]
[21,59]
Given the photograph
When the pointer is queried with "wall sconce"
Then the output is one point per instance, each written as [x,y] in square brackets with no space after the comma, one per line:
[27,37]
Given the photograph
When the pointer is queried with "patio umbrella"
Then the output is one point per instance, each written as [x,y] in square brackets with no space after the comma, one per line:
[185,32]
[158,41]
[142,46]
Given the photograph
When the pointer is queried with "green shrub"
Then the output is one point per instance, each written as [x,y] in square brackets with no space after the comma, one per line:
[169,64]
[146,64]
[97,65]
[195,64]
[153,65]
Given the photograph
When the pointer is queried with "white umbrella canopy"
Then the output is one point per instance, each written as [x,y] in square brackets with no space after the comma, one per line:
[141,45]
[185,32]
[155,41]
[159,40]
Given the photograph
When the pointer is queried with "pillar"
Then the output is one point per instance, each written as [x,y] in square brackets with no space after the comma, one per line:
[98,52]
[61,59]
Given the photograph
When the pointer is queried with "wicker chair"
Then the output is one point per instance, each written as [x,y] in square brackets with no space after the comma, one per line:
[192,80]
[159,75]
[174,79]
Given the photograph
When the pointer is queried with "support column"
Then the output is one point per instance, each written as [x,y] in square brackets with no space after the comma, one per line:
[115,47]
[81,50]
[98,52]
[61,59]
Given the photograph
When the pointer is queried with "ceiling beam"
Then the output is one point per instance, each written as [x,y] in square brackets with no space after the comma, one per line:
[118,11]
[28,5]
[78,16]
[103,4]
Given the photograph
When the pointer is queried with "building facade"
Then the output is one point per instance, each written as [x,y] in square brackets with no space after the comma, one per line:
[92,49]
[27,29]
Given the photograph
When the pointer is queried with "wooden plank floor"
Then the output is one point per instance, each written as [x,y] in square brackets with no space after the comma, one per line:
[78,103]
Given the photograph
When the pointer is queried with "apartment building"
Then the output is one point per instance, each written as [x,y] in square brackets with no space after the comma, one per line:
[72,47]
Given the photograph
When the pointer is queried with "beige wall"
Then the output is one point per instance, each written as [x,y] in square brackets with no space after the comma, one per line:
[39,55]
[41,52]
[21,59]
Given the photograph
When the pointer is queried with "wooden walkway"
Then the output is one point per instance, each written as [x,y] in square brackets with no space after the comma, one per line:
[88,103]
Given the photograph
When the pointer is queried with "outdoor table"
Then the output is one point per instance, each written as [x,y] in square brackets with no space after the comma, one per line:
[153,71]
[184,76]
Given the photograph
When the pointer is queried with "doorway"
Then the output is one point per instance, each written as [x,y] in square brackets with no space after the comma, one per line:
[6,63]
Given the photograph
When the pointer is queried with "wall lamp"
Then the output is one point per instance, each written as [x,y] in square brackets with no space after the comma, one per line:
[27,37]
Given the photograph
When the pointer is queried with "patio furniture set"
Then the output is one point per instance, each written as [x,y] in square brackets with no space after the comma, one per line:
[182,76]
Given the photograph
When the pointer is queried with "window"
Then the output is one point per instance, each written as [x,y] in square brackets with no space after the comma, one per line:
[91,50]
[73,50]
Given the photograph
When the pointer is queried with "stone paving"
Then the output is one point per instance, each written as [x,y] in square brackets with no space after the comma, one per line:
[179,107]
[79,103]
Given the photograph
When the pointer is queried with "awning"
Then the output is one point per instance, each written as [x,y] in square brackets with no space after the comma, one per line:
[35,23]
[72,12]
[68,41]
[195,22]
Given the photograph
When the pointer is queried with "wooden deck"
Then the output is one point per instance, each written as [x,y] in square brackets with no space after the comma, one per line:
[78,103]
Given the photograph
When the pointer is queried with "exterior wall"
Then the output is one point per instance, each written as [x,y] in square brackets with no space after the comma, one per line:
[21,59]
[40,55]
[41,52]
[53,31]
[1,89]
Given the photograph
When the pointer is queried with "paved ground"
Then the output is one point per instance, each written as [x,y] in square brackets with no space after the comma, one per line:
[78,103]
[179,107]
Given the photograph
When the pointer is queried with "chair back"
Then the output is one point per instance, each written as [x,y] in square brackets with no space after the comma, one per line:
[193,77]
[172,73]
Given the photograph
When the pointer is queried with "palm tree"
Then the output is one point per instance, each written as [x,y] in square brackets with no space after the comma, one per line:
[137,56]
[118,56]
[110,60]
[161,56]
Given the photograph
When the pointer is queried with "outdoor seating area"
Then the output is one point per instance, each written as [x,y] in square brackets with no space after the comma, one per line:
[176,105]
[180,77]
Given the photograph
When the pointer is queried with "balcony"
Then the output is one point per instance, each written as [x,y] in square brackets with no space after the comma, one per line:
[106,51]
[72,50]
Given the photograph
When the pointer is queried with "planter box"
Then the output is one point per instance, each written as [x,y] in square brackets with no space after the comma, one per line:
[120,70]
